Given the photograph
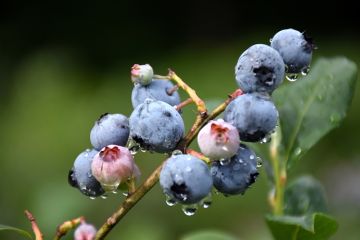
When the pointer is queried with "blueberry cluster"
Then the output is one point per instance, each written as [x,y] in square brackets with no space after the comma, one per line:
[155,125]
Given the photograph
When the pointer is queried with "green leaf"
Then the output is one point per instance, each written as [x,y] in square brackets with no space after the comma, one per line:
[314,105]
[311,227]
[20,231]
[208,235]
[303,196]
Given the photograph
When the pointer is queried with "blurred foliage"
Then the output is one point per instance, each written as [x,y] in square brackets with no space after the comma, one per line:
[54,98]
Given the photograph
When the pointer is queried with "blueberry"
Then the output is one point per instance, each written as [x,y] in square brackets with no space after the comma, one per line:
[110,129]
[295,48]
[235,175]
[112,166]
[259,69]
[158,90]
[253,114]
[218,139]
[142,74]
[80,176]
[156,126]
[185,178]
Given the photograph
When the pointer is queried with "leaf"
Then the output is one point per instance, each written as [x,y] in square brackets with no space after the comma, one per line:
[311,227]
[304,196]
[314,105]
[20,231]
[208,235]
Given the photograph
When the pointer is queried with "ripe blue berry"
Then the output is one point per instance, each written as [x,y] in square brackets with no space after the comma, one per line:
[80,176]
[253,114]
[158,90]
[156,126]
[110,129]
[185,178]
[235,175]
[142,74]
[295,48]
[218,139]
[259,69]
[112,166]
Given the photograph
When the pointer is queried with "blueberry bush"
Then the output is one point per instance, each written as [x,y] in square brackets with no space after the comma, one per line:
[267,123]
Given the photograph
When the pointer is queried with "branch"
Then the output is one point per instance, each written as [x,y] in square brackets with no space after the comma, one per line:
[66,226]
[35,227]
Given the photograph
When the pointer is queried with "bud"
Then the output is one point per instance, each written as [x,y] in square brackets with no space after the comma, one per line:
[85,232]
[113,165]
[218,139]
[142,74]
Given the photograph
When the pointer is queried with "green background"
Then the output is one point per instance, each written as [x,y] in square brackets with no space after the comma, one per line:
[58,79]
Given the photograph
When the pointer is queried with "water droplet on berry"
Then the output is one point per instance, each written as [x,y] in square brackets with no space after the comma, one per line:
[183,196]
[89,174]
[104,196]
[241,161]
[259,162]
[292,77]
[270,40]
[125,194]
[189,210]
[252,157]
[170,201]
[266,139]
[224,161]
[225,148]
[176,152]
[207,201]
[188,169]
[305,71]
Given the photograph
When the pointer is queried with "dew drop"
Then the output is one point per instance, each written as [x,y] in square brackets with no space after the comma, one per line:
[252,157]
[259,162]
[104,196]
[292,77]
[270,40]
[188,169]
[224,162]
[176,152]
[266,139]
[305,71]
[143,150]
[89,174]
[125,194]
[298,151]
[207,201]
[189,210]
[241,161]
[170,201]
[92,198]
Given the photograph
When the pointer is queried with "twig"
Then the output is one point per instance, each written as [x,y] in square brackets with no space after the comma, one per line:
[66,226]
[183,104]
[34,225]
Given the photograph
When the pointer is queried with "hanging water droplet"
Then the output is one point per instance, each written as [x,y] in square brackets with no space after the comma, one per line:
[183,197]
[111,187]
[224,161]
[92,198]
[270,40]
[143,150]
[266,139]
[134,149]
[170,201]
[125,194]
[176,152]
[207,201]
[298,151]
[292,77]
[305,71]
[259,162]
[189,210]
[104,196]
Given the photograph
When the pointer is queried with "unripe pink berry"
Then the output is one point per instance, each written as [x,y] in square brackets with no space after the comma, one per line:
[85,232]
[218,139]
[113,165]
[142,74]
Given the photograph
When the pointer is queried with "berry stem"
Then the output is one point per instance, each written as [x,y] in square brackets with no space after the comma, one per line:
[183,104]
[170,91]
[34,225]
[279,170]
[198,155]
[66,226]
